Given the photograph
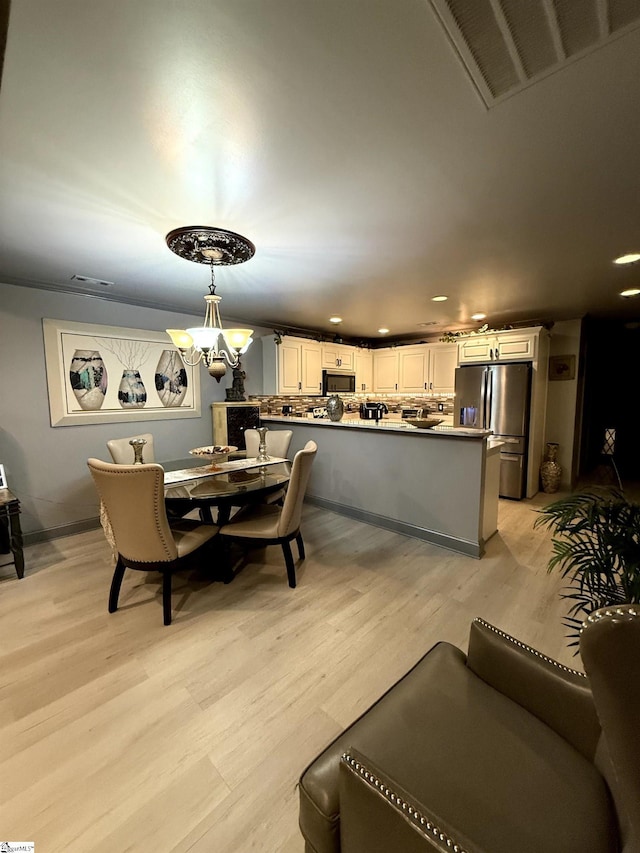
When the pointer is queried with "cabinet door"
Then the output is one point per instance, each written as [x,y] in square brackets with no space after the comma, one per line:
[346,359]
[515,347]
[288,367]
[412,369]
[476,348]
[385,370]
[443,360]
[330,357]
[364,370]
[310,368]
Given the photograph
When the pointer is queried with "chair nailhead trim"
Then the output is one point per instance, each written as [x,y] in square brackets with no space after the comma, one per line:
[529,649]
[599,615]
[392,797]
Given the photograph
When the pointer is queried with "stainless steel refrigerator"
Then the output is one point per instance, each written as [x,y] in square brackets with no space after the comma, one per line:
[498,397]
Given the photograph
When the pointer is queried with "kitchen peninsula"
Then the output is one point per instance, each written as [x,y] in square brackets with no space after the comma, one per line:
[440,485]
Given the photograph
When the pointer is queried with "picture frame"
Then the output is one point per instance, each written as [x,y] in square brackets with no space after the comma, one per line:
[3,478]
[562,367]
[103,374]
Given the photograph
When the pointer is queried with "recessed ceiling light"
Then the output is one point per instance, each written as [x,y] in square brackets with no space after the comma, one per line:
[633,291]
[335,319]
[478,316]
[439,298]
[631,258]
[383,331]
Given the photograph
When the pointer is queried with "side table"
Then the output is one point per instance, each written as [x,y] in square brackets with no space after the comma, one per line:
[10,530]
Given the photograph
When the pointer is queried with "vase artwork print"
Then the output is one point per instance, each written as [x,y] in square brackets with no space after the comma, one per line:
[110,374]
[88,377]
[171,379]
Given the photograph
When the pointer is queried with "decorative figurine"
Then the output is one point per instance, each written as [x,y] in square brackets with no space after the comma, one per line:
[235,394]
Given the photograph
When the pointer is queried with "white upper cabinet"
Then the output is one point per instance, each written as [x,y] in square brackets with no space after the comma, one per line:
[413,369]
[385,370]
[338,357]
[291,367]
[364,370]
[443,360]
[510,345]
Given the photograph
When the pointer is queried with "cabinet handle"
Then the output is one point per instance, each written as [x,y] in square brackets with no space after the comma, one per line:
[320,386]
[431,385]
[299,386]
[396,386]
[491,353]
[497,353]
[425,386]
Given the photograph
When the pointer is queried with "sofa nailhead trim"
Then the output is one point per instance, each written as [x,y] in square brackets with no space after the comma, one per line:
[529,649]
[396,800]
[609,613]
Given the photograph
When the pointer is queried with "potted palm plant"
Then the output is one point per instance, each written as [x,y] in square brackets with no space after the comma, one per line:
[596,546]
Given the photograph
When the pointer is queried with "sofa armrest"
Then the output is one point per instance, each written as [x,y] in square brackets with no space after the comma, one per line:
[554,693]
[377,815]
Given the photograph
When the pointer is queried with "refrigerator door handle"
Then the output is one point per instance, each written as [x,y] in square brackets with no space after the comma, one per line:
[483,399]
[489,400]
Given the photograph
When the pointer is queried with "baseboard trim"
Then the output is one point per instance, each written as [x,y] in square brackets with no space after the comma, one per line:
[460,546]
[50,533]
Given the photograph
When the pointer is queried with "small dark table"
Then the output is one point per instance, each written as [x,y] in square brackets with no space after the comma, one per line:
[10,531]
[233,488]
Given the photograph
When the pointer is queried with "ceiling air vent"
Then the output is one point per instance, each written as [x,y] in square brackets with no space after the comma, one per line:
[85,279]
[507,45]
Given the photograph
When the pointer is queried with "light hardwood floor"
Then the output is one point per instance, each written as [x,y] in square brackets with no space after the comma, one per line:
[118,733]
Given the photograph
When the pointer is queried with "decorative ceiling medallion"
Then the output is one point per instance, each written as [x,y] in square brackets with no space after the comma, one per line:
[213,246]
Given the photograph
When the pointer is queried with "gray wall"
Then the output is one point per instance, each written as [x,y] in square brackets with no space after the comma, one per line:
[45,466]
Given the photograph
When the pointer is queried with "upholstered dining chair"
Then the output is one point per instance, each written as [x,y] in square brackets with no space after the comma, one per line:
[277,442]
[274,525]
[133,496]
[122,452]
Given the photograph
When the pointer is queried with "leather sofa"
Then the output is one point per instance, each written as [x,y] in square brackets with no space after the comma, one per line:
[496,751]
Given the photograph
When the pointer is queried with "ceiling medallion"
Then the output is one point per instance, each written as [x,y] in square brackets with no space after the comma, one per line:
[214,246]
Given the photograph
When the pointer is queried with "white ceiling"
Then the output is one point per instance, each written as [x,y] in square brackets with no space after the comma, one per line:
[343,137]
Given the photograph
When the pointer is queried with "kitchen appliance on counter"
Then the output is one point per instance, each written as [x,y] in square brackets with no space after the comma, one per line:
[498,397]
[373,411]
[414,413]
[338,383]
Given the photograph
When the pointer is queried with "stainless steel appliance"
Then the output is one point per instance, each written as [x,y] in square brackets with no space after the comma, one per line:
[373,411]
[498,397]
[338,383]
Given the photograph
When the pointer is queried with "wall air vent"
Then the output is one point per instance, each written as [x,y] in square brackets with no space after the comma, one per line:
[507,45]
[85,279]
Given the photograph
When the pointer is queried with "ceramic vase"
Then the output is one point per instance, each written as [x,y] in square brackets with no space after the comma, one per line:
[550,470]
[335,408]
[171,379]
[131,392]
[88,377]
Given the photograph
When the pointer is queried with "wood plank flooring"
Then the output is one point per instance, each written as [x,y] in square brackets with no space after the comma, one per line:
[118,733]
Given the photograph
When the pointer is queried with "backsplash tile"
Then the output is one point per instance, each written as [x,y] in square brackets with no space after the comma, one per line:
[272,405]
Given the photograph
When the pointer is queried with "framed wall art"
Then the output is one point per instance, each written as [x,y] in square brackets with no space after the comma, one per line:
[562,367]
[3,478]
[103,374]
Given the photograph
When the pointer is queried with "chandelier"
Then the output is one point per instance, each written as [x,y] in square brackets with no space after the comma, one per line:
[216,247]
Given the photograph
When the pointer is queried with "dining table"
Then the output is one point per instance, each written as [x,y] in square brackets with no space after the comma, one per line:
[228,481]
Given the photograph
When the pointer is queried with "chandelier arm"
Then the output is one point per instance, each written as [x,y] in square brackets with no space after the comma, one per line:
[231,360]
[189,356]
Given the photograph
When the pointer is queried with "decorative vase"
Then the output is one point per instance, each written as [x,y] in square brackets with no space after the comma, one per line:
[131,392]
[335,408]
[88,377]
[138,446]
[262,446]
[171,379]
[550,470]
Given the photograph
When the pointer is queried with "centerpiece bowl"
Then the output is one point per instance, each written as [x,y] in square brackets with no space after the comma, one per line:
[424,423]
[214,452]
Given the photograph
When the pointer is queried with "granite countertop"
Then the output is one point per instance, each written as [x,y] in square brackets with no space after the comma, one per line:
[385,425]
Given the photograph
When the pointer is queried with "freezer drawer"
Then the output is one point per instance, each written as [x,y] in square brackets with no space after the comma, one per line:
[512,475]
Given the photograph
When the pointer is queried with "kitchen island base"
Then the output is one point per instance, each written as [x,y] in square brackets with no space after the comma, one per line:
[441,487]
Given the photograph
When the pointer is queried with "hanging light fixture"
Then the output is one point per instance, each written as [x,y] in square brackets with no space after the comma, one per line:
[216,247]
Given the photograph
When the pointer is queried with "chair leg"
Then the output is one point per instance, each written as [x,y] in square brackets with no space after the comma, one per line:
[300,545]
[166,597]
[291,569]
[116,583]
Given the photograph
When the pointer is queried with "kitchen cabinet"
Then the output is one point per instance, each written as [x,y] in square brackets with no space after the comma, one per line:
[385,370]
[413,369]
[510,345]
[338,356]
[229,421]
[443,360]
[364,370]
[292,367]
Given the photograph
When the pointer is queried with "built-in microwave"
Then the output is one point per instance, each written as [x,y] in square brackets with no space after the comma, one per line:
[338,383]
